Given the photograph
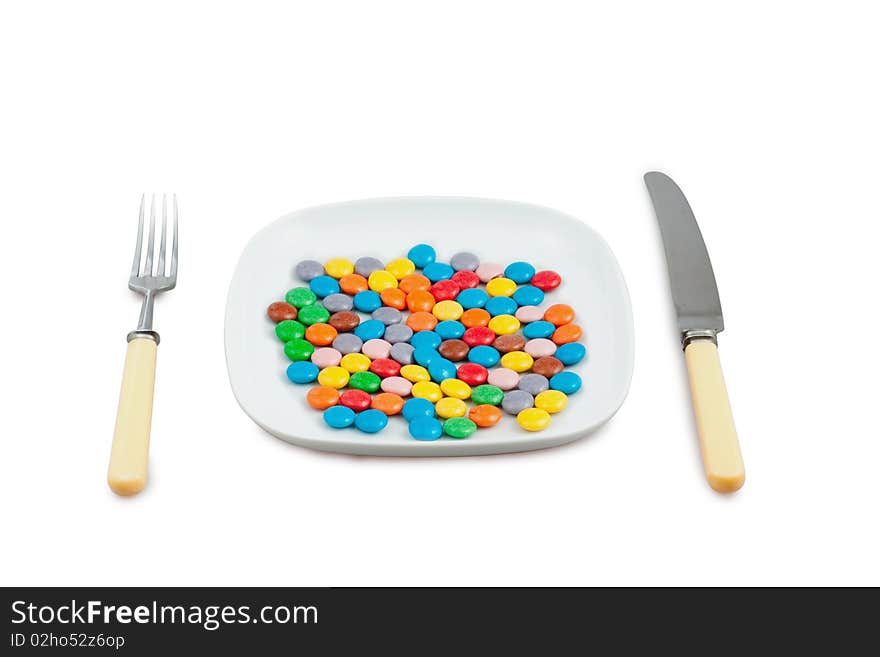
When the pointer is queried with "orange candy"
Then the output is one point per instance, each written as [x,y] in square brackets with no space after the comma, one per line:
[353,283]
[420,301]
[485,415]
[475,317]
[322,397]
[567,333]
[559,314]
[421,321]
[394,297]
[388,403]
[321,335]
[414,282]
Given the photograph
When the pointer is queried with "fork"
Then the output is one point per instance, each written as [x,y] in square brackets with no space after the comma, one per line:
[127,474]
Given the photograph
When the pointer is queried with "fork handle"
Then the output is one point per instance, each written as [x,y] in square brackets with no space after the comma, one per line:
[127,474]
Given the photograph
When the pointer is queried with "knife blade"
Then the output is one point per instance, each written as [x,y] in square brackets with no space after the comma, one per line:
[698,310]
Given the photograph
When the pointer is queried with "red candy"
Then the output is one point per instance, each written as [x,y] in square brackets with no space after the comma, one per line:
[472,374]
[546,280]
[478,335]
[465,279]
[444,290]
[385,367]
[356,400]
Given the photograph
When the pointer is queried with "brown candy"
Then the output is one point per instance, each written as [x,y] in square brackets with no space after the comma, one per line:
[508,343]
[280,311]
[454,350]
[344,321]
[547,366]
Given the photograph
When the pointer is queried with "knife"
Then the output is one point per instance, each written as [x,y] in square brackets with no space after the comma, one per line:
[698,308]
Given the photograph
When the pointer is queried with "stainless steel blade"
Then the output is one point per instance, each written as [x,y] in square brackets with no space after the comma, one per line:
[691,278]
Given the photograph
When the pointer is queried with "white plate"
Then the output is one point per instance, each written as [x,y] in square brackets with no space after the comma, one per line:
[497,231]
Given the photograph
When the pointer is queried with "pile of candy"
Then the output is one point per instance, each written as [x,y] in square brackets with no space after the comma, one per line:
[464,319]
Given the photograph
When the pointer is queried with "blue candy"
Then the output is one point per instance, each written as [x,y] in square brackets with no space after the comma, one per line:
[416,408]
[422,255]
[441,369]
[370,329]
[302,372]
[519,272]
[425,428]
[484,355]
[339,417]
[567,382]
[367,301]
[324,286]
[438,271]
[570,353]
[501,306]
[472,298]
[425,339]
[371,421]
[424,356]
[528,295]
[540,329]
[449,329]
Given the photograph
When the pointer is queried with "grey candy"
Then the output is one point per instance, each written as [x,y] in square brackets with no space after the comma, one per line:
[366,265]
[387,315]
[398,334]
[347,343]
[533,383]
[516,401]
[309,269]
[402,351]
[339,302]
[464,261]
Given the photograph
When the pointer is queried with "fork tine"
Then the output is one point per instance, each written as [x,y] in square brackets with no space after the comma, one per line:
[151,240]
[174,242]
[136,264]
[160,266]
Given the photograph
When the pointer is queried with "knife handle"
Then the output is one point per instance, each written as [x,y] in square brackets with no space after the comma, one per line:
[127,474]
[719,444]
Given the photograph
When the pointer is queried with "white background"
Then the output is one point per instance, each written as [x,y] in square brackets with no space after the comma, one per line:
[765,113]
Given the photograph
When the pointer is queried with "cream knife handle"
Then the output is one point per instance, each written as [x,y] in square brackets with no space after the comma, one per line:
[719,444]
[127,474]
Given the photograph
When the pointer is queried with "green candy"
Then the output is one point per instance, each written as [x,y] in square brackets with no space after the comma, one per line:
[298,349]
[300,297]
[460,427]
[366,381]
[314,314]
[487,394]
[289,329]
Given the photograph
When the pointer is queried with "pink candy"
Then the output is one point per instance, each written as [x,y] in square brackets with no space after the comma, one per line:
[396,384]
[504,378]
[528,314]
[376,348]
[489,270]
[540,347]
[326,357]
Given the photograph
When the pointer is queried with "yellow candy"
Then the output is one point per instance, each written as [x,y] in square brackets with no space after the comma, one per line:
[500,287]
[414,373]
[355,363]
[400,267]
[447,310]
[338,267]
[334,377]
[450,407]
[381,280]
[455,388]
[504,324]
[533,419]
[518,361]
[551,401]
[427,390]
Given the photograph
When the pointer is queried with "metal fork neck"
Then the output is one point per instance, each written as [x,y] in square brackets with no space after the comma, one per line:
[145,322]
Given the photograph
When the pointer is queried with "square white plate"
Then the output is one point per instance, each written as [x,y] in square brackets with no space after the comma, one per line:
[496,231]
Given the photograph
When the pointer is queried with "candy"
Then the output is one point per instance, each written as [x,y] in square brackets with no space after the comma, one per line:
[438,271]
[371,421]
[366,381]
[387,315]
[533,383]
[465,279]
[425,428]
[426,340]
[455,388]
[504,324]
[308,269]
[459,427]
[444,290]
[487,394]
[397,385]
[417,407]
[508,343]
[302,372]
[339,417]
[484,355]
[344,321]
[540,347]
[333,377]
[441,369]
[485,415]
[356,400]
[420,301]
[473,298]
[414,282]
[567,382]
[370,329]
[289,329]
[546,280]
[558,314]
[338,267]
[336,303]
[320,334]
[381,280]
[398,333]
[400,267]
[503,378]
[385,367]
[299,297]
[322,397]
[517,401]
[367,301]
[527,314]
[472,374]
[519,272]
[427,390]
[449,329]
[324,286]
[354,363]
[448,310]
[489,270]
[421,321]
[547,366]
[298,349]
[551,401]
[424,356]
[326,357]
[475,317]
[281,310]
[353,283]
[518,361]
[313,314]
[401,351]
[464,261]
[422,255]
[376,348]
[539,329]
[348,343]
[367,265]
[454,350]
[450,407]
[501,306]
[528,295]
[500,287]
[478,335]
[393,298]
[388,403]
[567,333]
[533,419]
